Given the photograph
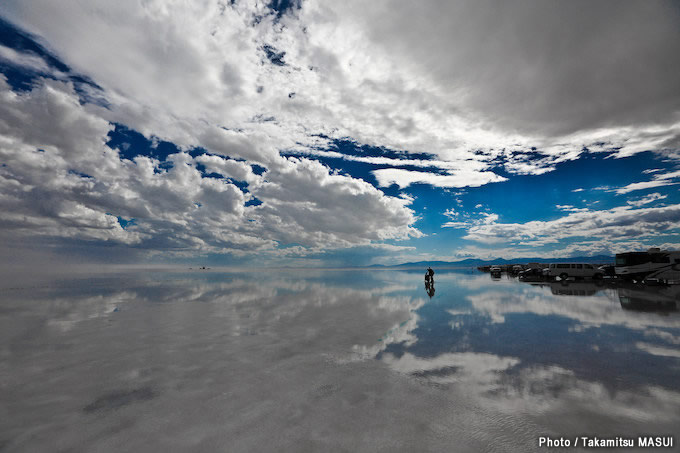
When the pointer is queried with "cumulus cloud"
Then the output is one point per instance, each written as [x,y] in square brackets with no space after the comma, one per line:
[61,180]
[305,203]
[228,168]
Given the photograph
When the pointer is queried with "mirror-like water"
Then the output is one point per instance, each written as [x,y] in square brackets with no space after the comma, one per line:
[332,361]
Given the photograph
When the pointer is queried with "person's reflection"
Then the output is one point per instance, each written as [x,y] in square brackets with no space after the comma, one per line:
[429,288]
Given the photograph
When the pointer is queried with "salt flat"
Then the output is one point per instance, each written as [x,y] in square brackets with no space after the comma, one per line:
[330,361]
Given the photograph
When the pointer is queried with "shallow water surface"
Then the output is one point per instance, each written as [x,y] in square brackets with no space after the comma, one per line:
[332,361]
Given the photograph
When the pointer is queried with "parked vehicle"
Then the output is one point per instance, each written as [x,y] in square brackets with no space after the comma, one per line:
[531,275]
[608,270]
[576,270]
[652,264]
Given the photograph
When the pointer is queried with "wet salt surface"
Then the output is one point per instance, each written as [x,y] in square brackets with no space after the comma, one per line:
[332,361]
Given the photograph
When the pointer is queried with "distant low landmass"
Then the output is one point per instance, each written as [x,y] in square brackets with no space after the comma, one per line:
[472,262]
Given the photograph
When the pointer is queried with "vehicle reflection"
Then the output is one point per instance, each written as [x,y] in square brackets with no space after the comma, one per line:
[573,288]
[650,298]
[632,296]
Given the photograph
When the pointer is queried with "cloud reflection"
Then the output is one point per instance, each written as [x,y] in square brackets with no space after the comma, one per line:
[484,362]
[550,349]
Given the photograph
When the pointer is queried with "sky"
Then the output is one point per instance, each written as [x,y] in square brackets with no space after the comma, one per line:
[312,133]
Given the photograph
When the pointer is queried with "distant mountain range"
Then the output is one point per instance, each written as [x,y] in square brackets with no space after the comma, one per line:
[472,262]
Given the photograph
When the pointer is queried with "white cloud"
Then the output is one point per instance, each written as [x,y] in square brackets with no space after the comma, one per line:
[620,223]
[404,178]
[25,60]
[652,197]
[645,185]
[450,213]
[60,180]
[570,208]
[305,203]
[455,225]
[658,180]
[489,219]
[228,168]
[469,165]
[671,175]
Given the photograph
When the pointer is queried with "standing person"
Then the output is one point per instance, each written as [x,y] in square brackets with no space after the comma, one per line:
[430,272]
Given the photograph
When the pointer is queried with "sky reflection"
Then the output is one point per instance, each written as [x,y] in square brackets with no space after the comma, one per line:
[588,348]
[309,359]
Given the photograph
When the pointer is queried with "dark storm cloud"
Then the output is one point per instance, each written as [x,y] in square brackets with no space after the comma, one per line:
[544,67]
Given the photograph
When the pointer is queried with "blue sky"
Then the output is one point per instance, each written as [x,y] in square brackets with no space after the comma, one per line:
[305,133]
